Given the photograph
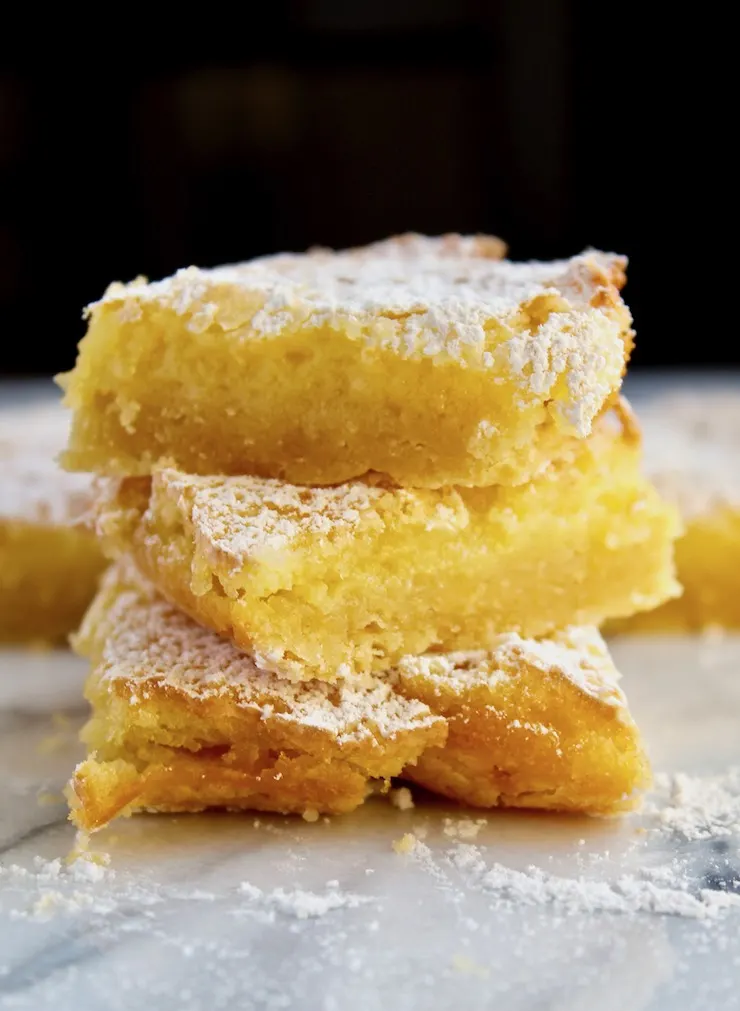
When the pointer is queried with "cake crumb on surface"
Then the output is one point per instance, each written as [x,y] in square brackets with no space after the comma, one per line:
[402,798]
[465,964]
[463,828]
[406,844]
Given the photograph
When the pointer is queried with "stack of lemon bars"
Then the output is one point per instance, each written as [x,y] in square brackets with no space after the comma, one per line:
[366,511]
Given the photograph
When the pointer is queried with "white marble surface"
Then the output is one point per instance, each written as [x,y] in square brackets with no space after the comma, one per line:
[168,927]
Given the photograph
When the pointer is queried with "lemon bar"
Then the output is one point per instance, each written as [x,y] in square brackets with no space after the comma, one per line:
[182,721]
[333,582]
[48,568]
[692,454]
[531,723]
[429,360]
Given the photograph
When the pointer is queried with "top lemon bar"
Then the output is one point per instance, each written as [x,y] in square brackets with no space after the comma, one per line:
[430,360]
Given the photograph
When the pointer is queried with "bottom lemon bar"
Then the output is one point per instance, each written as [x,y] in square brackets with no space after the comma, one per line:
[182,720]
[692,448]
[48,568]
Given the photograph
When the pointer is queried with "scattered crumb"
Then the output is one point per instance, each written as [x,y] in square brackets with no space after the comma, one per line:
[406,844]
[53,743]
[713,634]
[310,814]
[463,828]
[45,798]
[466,965]
[64,734]
[401,798]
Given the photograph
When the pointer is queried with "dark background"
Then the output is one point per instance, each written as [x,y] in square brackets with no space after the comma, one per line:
[553,124]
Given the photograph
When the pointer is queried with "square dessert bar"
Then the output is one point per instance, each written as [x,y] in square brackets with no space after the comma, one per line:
[431,361]
[48,568]
[334,582]
[182,720]
[692,454]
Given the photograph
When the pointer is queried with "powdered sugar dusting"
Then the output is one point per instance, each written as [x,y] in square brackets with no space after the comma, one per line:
[692,809]
[56,884]
[238,520]
[564,349]
[578,654]
[149,642]
[300,904]
[692,447]
[240,517]
[34,488]
[451,299]
[628,894]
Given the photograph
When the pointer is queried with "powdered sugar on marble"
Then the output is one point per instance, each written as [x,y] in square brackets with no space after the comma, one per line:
[34,488]
[628,894]
[697,808]
[689,808]
[301,904]
[692,447]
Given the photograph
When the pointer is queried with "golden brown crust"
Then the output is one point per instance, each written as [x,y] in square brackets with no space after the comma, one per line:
[184,721]
[179,781]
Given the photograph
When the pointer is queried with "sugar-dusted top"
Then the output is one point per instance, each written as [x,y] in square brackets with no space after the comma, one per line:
[452,285]
[576,654]
[33,487]
[451,298]
[692,448]
[147,641]
[242,518]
